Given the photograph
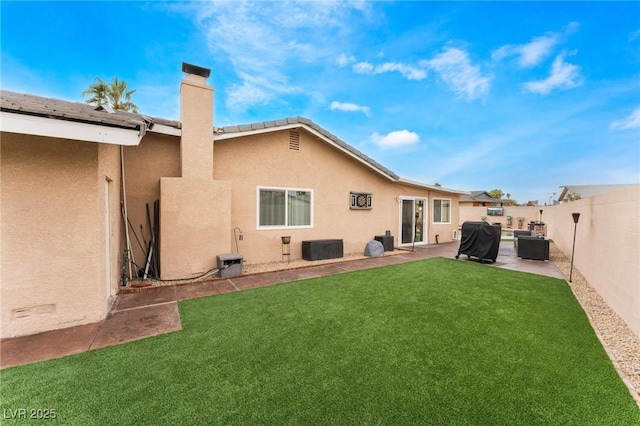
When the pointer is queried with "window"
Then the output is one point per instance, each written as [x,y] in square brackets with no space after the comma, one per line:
[441,211]
[279,207]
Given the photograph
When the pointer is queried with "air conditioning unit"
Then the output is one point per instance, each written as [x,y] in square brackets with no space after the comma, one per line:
[454,234]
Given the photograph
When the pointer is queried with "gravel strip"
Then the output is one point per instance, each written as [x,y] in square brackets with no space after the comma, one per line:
[138,285]
[301,263]
[620,343]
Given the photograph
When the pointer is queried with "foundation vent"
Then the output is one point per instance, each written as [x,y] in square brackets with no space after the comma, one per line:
[294,140]
[33,312]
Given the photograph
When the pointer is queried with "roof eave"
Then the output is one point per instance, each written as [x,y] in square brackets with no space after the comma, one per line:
[431,187]
[65,129]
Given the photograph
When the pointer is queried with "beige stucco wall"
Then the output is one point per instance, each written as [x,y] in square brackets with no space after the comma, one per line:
[196,116]
[53,231]
[266,161]
[157,156]
[112,240]
[607,249]
[195,222]
[607,242]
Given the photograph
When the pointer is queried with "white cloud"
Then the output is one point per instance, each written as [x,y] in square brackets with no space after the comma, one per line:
[364,68]
[407,71]
[263,41]
[246,93]
[452,65]
[395,139]
[534,52]
[529,54]
[455,69]
[630,122]
[346,106]
[539,48]
[563,76]
[343,60]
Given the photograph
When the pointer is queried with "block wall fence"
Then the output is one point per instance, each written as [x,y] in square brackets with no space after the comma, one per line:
[607,249]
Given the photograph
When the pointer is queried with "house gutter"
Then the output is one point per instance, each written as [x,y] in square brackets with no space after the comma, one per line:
[66,129]
[431,187]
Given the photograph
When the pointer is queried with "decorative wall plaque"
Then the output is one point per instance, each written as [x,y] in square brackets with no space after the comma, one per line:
[360,201]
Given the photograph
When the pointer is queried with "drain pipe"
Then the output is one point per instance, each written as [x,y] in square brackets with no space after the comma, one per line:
[437,235]
[125,216]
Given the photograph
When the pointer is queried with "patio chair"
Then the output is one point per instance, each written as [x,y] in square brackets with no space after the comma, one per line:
[535,248]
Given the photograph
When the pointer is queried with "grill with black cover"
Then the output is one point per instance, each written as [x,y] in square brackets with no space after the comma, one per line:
[481,240]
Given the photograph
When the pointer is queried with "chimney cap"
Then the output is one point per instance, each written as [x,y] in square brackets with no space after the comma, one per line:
[194,69]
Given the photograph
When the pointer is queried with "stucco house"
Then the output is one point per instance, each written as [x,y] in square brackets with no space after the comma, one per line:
[70,172]
[585,191]
[478,198]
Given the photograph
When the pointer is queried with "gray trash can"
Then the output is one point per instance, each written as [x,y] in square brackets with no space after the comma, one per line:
[230,265]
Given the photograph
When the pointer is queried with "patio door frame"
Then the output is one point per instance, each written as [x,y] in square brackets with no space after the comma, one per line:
[421,220]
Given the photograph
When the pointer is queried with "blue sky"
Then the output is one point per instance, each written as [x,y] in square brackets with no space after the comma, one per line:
[524,97]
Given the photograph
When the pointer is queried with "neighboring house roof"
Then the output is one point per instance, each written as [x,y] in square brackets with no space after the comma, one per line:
[478,196]
[14,105]
[585,191]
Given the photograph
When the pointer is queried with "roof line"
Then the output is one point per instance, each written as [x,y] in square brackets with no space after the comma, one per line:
[228,132]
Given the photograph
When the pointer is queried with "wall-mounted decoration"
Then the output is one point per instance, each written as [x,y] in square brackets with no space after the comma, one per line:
[495,211]
[360,201]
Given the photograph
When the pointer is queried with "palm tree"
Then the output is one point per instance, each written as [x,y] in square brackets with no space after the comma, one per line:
[115,95]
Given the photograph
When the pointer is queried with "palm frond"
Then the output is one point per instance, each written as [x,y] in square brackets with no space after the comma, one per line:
[115,94]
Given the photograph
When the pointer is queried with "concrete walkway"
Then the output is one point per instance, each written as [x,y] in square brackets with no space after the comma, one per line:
[154,311]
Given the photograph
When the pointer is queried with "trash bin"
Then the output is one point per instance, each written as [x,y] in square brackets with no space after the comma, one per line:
[229,265]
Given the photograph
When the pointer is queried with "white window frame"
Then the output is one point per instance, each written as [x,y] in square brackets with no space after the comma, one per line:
[286,210]
[441,222]
[425,220]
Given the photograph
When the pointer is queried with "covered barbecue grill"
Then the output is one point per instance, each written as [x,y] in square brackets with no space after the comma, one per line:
[481,240]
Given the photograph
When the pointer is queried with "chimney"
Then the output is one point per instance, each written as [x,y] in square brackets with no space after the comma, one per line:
[196,115]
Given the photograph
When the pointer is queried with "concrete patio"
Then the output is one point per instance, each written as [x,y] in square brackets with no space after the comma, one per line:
[154,311]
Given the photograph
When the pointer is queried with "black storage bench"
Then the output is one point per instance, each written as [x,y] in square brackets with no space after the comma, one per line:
[322,249]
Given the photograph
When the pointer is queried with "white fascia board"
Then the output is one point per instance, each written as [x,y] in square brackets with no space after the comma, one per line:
[223,136]
[64,129]
[242,133]
[165,130]
[432,187]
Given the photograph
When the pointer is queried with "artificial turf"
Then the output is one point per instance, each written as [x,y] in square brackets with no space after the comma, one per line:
[437,341]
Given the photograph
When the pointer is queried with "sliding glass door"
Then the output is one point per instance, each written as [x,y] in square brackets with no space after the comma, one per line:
[412,220]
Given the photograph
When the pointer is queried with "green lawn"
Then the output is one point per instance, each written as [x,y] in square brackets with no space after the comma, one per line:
[430,342]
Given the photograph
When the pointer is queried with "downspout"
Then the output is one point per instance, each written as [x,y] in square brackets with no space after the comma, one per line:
[129,254]
[144,125]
